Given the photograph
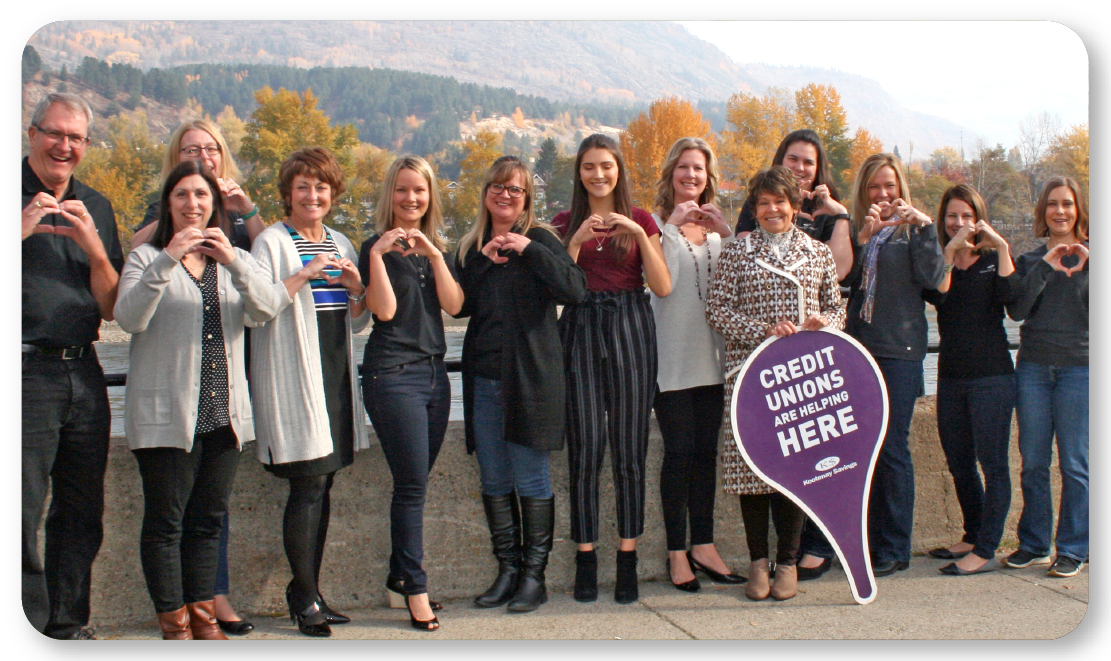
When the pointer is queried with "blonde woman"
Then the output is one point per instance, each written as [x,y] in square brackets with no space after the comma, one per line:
[514,272]
[408,282]
[689,380]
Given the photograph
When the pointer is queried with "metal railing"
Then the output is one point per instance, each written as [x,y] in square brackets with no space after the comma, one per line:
[120,378]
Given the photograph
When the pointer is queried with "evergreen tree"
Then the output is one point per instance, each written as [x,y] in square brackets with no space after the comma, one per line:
[546,161]
[32,63]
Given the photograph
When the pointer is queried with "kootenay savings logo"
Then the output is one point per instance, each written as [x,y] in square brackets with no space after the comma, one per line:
[827,463]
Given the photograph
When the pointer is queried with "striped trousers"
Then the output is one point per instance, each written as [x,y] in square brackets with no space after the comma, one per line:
[609,348]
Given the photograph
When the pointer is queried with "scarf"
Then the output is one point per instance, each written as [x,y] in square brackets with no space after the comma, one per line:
[871,254]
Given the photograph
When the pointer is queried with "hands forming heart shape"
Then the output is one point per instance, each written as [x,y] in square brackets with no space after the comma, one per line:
[406,242]
[1076,254]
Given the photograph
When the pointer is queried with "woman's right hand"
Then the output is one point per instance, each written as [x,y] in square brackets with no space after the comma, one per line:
[491,250]
[388,242]
[184,242]
[588,230]
[313,269]
[681,214]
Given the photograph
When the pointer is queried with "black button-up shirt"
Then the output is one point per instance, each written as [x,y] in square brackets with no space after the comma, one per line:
[59,309]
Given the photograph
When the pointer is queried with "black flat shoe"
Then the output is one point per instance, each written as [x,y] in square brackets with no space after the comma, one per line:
[728,579]
[888,567]
[688,586]
[943,553]
[811,573]
[331,616]
[397,587]
[237,628]
[422,625]
[952,569]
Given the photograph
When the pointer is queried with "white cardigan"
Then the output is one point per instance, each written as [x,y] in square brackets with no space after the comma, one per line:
[162,308]
[287,381]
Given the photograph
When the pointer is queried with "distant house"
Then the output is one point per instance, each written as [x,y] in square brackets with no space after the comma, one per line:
[538,183]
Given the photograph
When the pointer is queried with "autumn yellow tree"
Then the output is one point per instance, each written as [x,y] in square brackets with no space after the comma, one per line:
[125,169]
[758,124]
[461,203]
[1068,155]
[232,127]
[646,140]
[863,145]
[284,122]
[364,187]
[818,108]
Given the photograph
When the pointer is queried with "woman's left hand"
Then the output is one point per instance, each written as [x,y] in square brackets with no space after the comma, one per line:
[989,237]
[348,277]
[830,206]
[517,242]
[421,245]
[216,246]
[713,221]
[235,198]
[619,225]
[909,215]
[815,322]
[782,329]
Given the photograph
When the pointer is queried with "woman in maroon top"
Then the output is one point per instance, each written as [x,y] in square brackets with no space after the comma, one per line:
[609,348]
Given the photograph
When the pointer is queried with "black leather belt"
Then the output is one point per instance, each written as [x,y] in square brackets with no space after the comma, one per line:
[65,353]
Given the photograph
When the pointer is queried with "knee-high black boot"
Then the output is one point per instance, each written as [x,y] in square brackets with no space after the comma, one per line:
[538,515]
[504,518]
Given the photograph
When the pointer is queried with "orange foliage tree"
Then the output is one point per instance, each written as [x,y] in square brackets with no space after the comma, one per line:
[758,124]
[646,140]
[864,144]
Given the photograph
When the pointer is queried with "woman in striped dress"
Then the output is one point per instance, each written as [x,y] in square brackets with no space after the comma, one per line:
[305,386]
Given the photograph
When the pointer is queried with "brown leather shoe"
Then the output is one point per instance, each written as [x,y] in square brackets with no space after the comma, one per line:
[757,588]
[786,584]
[202,620]
[175,625]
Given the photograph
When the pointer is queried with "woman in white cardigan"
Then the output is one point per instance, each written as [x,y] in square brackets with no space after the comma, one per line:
[304,382]
[185,298]
[689,400]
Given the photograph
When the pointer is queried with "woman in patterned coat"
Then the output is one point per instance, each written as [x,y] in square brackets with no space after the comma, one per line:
[776,281]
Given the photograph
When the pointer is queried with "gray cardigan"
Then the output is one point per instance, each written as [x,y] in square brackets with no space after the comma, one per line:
[159,304]
[287,380]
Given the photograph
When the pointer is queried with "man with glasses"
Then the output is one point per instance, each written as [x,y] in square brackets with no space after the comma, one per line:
[71,262]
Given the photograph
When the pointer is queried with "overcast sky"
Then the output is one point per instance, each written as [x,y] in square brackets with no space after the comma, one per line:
[1013,68]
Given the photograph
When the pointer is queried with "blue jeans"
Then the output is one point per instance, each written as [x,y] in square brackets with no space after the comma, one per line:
[974,423]
[505,466]
[891,505]
[223,582]
[409,406]
[1053,400]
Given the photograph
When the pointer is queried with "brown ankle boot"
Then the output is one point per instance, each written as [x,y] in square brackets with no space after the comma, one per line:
[757,588]
[202,620]
[786,583]
[175,625]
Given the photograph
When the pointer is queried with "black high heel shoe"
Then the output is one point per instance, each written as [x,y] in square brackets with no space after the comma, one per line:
[422,625]
[728,579]
[396,593]
[331,616]
[310,621]
[688,586]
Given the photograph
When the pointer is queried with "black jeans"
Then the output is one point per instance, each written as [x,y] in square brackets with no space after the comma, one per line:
[690,422]
[66,422]
[409,406]
[755,511]
[186,496]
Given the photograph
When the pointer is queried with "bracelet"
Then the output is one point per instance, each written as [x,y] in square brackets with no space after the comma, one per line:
[356,299]
[250,214]
[949,268]
[842,216]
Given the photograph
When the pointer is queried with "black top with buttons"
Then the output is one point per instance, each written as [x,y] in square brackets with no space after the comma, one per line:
[212,407]
[416,331]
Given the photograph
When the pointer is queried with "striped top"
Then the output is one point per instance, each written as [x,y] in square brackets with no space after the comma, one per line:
[324,295]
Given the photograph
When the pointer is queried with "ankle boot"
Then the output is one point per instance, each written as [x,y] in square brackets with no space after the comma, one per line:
[625,590]
[504,519]
[538,517]
[757,588]
[786,584]
[586,575]
[202,620]
[175,625]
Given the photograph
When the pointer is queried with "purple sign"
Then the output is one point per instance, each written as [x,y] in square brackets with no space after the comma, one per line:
[809,414]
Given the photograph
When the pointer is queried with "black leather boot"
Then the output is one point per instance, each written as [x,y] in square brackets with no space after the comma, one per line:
[586,575]
[538,517]
[504,519]
[625,591]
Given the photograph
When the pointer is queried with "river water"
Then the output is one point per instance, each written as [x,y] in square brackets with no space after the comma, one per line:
[114,359]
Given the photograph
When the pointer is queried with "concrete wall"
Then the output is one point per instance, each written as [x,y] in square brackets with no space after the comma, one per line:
[457,553]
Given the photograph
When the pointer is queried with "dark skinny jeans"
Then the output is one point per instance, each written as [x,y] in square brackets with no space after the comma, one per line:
[690,421]
[755,510]
[185,497]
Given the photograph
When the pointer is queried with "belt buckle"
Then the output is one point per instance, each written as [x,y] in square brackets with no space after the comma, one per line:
[71,353]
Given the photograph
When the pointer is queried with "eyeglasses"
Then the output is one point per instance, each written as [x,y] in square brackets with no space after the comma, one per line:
[514,191]
[211,150]
[57,136]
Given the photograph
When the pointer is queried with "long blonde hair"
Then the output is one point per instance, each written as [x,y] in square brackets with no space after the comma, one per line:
[868,171]
[173,150]
[501,171]
[433,220]
[665,191]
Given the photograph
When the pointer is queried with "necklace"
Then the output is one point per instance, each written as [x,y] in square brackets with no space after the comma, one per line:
[709,260]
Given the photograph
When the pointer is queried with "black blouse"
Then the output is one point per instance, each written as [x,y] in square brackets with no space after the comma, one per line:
[212,407]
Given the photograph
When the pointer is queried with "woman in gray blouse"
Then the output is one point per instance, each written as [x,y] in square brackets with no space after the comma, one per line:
[185,298]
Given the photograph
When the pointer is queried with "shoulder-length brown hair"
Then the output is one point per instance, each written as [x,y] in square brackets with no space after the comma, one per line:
[164,232]
[228,168]
[501,171]
[1041,227]
[315,162]
[622,198]
[868,170]
[969,196]
[823,174]
[665,191]
[433,220]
